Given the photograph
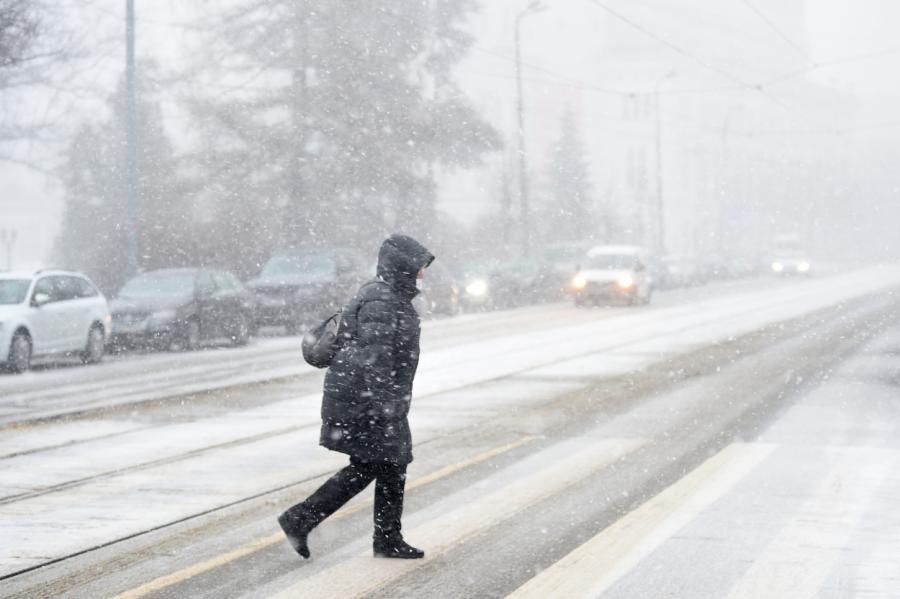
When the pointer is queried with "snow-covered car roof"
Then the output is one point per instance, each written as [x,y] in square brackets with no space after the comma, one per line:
[30,274]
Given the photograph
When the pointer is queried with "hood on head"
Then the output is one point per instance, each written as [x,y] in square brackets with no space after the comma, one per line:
[400,259]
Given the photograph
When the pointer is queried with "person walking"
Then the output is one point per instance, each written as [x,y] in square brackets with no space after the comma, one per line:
[367,396]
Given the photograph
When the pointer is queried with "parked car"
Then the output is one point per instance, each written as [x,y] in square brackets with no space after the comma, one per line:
[613,273]
[563,260]
[181,308]
[493,284]
[440,291]
[299,286]
[50,314]
[788,257]
[478,287]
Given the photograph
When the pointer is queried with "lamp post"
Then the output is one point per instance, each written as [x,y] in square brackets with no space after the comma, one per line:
[130,142]
[660,216]
[532,8]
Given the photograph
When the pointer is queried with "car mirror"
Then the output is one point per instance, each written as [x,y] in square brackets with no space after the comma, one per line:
[40,299]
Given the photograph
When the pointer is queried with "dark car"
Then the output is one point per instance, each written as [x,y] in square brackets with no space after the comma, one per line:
[440,291]
[564,259]
[181,308]
[298,286]
[491,284]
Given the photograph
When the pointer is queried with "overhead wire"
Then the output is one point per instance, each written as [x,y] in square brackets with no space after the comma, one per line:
[800,50]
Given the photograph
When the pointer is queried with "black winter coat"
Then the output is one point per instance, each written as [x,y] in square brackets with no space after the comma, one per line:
[368,387]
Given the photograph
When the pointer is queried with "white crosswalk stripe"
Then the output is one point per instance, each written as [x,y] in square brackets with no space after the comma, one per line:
[360,574]
[593,567]
[798,561]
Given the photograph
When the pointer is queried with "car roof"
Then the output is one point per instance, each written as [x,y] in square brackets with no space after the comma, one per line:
[31,274]
[615,250]
[168,271]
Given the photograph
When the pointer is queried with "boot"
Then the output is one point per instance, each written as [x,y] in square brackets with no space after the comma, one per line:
[395,547]
[296,529]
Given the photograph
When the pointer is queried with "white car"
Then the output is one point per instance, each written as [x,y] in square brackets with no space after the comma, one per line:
[613,273]
[50,314]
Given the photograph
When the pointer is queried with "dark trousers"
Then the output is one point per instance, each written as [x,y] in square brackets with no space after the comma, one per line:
[390,482]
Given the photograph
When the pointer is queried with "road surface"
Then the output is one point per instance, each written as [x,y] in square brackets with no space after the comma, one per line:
[730,441]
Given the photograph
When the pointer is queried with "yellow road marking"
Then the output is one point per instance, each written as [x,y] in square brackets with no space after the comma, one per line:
[358,575]
[168,580]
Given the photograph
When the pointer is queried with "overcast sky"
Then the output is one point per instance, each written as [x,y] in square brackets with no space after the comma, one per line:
[835,29]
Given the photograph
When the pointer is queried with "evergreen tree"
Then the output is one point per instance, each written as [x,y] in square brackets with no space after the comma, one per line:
[94,235]
[570,187]
[350,108]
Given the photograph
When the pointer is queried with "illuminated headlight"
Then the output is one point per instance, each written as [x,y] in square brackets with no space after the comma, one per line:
[777,266]
[625,282]
[803,267]
[477,288]
[579,282]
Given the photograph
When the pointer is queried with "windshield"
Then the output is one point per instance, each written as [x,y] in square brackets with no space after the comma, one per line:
[176,284]
[299,264]
[13,291]
[612,262]
[788,248]
[564,254]
[479,268]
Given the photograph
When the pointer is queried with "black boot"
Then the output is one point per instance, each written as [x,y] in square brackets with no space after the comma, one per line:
[296,529]
[395,547]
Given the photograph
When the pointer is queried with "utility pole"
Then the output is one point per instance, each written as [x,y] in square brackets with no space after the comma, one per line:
[8,239]
[298,210]
[660,207]
[532,8]
[130,141]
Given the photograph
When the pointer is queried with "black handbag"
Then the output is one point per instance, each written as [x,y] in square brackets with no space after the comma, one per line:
[321,343]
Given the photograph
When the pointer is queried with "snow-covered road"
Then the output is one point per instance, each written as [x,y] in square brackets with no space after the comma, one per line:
[237,424]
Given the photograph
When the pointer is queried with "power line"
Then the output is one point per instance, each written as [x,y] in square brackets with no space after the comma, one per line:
[681,51]
[671,46]
[777,30]
[552,73]
[828,63]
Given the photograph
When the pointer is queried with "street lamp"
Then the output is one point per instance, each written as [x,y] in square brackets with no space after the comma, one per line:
[661,221]
[533,7]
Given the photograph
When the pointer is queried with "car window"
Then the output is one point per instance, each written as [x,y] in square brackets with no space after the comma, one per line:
[300,263]
[47,286]
[13,291]
[206,285]
[85,288]
[612,261]
[159,284]
[223,281]
[67,288]
[235,282]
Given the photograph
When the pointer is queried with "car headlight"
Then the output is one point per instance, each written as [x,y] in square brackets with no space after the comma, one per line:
[579,282]
[803,267]
[625,282]
[777,266]
[477,288]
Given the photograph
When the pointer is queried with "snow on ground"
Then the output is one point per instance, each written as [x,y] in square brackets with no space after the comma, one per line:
[188,467]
